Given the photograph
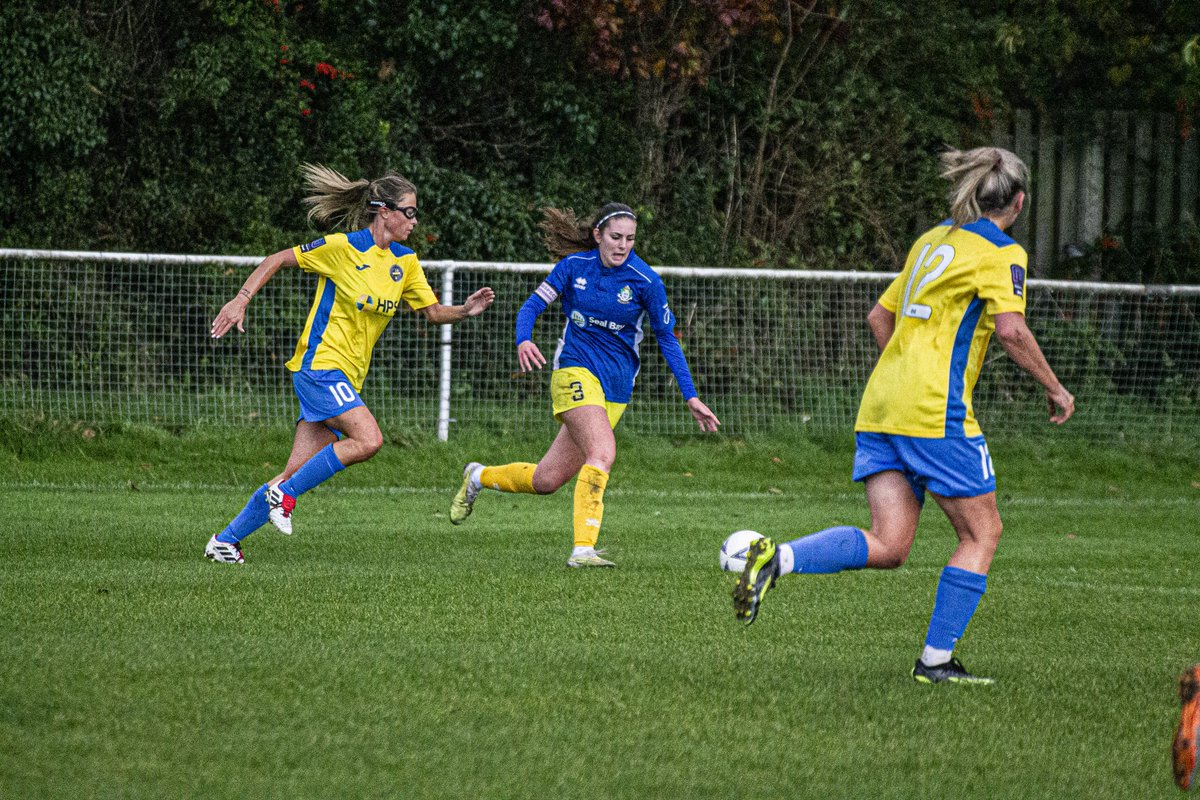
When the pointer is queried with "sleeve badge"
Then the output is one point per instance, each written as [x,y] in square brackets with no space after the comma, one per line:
[1018,279]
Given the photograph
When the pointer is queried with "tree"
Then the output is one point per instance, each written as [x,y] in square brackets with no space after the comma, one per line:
[666,49]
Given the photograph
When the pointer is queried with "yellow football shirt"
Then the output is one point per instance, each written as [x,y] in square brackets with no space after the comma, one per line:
[953,284]
[359,290]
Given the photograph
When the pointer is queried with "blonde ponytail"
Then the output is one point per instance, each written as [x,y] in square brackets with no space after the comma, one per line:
[982,180]
[333,199]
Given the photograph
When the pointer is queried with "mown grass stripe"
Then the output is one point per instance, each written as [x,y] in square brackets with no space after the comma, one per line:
[716,495]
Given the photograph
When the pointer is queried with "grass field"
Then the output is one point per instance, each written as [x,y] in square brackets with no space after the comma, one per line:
[381,652]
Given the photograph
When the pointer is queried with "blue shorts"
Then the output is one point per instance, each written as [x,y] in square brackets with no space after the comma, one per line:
[324,393]
[946,467]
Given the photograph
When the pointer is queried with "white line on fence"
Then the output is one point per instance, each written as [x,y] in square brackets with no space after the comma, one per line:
[450,266]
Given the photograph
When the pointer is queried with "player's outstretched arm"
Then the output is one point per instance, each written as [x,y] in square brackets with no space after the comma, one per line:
[479,302]
[474,305]
[233,313]
[1022,347]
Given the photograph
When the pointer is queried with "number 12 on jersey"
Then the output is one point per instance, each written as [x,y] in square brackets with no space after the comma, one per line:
[943,255]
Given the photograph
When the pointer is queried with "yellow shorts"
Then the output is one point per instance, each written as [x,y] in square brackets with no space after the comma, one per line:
[572,387]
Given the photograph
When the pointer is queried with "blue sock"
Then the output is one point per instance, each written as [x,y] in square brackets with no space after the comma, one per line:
[251,518]
[830,550]
[958,595]
[318,469]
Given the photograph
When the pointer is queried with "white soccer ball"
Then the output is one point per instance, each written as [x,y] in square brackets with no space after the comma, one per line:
[733,550]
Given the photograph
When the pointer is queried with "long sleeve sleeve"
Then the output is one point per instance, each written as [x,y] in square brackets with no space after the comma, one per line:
[528,314]
[663,323]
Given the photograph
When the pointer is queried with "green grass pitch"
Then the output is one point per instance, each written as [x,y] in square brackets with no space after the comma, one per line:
[382,652]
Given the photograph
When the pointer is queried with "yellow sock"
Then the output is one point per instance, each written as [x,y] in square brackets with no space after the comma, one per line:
[589,505]
[516,478]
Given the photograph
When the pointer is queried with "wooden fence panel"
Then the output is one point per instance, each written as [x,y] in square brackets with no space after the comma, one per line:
[1164,171]
[1124,170]
[1045,171]
[1089,214]
[1117,197]
[1143,169]
[1023,141]
[1068,197]
[1189,180]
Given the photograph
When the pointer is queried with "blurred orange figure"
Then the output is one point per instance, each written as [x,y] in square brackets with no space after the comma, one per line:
[1183,750]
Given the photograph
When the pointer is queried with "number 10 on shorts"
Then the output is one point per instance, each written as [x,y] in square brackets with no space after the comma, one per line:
[342,393]
[985,460]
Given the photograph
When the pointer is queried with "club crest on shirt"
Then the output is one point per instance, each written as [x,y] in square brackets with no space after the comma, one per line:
[580,284]
[313,245]
[625,295]
[1018,279]
[578,319]
[397,273]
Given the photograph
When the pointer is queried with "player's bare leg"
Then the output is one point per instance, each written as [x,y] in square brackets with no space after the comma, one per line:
[961,586]
[561,463]
[895,512]
[363,439]
[310,439]
[976,520]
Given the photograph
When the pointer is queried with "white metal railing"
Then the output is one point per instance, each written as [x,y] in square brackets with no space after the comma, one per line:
[450,266]
[797,317]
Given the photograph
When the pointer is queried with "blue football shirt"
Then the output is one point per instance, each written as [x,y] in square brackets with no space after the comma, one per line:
[605,309]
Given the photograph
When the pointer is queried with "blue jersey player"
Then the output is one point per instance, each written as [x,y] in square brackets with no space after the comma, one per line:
[963,280]
[609,296]
[363,277]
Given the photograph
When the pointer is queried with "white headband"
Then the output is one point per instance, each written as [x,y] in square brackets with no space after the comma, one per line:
[607,217]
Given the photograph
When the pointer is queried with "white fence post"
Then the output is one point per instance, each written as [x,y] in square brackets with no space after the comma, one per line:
[443,426]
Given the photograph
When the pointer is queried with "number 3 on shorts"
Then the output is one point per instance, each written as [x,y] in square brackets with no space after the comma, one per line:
[576,390]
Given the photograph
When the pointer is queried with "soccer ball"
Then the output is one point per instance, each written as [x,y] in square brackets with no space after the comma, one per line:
[733,550]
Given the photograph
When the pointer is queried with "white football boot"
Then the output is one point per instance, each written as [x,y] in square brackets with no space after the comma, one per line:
[223,552]
[588,557]
[281,505]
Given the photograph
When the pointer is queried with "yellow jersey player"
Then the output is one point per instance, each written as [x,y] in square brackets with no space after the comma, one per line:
[916,428]
[362,279]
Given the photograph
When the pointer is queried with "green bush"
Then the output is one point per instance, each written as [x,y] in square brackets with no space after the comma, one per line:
[764,137]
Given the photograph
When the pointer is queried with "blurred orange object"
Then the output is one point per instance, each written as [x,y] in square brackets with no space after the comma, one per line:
[1183,750]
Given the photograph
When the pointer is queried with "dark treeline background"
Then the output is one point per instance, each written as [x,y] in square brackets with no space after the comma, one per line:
[745,132]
